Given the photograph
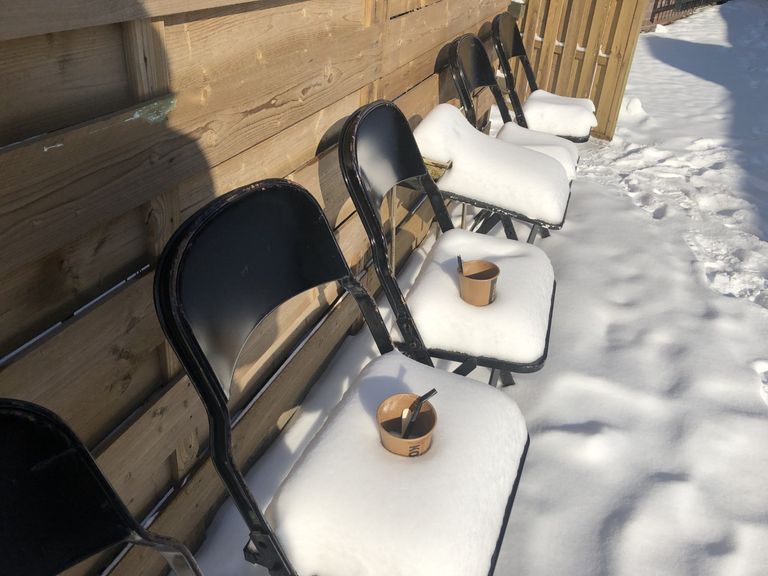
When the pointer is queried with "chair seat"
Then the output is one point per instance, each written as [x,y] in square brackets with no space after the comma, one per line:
[562,150]
[513,328]
[349,507]
[561,115]
[492,171]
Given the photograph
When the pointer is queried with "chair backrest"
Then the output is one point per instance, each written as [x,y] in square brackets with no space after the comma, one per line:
[472,70]
[386,152]
[56,508]
[231,264]
[377,151]
[505,29]
[509,44]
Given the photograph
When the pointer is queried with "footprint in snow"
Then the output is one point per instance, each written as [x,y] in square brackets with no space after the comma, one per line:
[703,144]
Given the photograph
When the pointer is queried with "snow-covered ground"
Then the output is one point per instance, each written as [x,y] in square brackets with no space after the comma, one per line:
[648,432]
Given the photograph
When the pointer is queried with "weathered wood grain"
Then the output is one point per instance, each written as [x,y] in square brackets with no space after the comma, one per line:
[57,80]
[423,30]
[39,294]
[56,187]
[98,368]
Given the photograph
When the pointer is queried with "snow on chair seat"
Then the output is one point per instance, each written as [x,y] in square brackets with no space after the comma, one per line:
[571,118]
[513,329]
[492,171]
[349,507]
[584,103]
[472,71]
[564,151]
[547,112]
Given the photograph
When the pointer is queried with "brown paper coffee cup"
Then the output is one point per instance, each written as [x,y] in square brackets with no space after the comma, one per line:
[477,283]
[389,417]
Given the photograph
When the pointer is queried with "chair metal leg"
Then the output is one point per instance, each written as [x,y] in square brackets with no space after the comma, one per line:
[479,218]
[178,556]
[488,224]
[534,231]
[544,233]
[494,379]
[466,367]
[509,228]
[507,379]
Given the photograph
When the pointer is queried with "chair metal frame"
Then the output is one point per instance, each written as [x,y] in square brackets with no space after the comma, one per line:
[402,165]
[471,71]
[508,43]
[62,453]
[263,547]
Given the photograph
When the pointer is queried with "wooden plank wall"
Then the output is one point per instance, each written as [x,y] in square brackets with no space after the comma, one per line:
[119,119]
[582,48]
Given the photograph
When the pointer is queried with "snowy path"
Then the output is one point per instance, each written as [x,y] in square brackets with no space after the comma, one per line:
[648,433]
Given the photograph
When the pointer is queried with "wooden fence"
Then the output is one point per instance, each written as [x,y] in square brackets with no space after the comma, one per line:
[582,48]
[119,119]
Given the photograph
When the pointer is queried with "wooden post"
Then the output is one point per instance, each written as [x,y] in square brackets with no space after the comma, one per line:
[148,75]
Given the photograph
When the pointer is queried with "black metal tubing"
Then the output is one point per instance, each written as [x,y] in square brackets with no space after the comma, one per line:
[508,511]
[501,212]
[219,251]
[56,486]
[509,44]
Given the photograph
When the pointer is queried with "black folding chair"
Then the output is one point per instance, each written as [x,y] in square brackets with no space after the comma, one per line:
[472,71]
[509,44]
[57,508]
[377,152]
[223,271]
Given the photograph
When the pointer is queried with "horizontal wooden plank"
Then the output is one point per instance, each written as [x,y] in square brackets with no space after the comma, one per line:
[98,368]
[32,17]
[247,76]
[57,188]
[39,294]
[277,156]
[417,32]
[399,81]
[58,80]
